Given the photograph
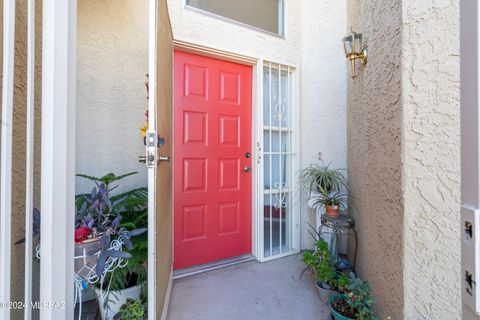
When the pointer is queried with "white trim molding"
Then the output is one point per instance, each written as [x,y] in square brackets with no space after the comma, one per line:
[58,159]
[152,170]
[29,172]
[6,155]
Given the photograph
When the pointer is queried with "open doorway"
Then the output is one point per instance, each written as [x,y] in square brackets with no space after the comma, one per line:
[111,184]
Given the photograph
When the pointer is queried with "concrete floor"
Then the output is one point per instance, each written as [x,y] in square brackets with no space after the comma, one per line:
[249,291]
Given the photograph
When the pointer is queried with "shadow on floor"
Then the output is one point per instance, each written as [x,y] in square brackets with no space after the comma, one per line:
[249,291]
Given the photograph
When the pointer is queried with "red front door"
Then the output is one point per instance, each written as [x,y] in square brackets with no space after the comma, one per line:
[212,147]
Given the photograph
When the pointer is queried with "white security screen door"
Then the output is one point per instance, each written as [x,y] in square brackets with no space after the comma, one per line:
[279,161]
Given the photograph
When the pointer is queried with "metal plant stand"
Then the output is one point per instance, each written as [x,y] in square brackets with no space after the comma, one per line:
[87,275]
[343,224]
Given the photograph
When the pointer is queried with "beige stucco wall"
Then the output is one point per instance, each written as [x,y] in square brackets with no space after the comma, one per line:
[431,148]
[404,156]
[112,60]
[374,151]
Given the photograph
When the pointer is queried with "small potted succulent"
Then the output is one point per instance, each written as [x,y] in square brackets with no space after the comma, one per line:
[354,304]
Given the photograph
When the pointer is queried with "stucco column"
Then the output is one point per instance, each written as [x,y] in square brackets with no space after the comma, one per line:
[404,156]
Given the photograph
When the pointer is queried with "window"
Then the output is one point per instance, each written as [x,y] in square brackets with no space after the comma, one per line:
[278,159]
[263,14]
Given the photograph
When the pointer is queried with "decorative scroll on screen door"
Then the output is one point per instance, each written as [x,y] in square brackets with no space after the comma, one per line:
[278,154]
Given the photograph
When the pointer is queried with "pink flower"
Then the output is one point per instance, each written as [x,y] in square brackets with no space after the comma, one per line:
[82,234]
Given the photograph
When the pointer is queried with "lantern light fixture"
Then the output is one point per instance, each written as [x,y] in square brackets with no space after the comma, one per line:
[354,50]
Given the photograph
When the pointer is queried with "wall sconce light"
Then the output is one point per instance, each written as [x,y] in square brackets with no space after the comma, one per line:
[354,49]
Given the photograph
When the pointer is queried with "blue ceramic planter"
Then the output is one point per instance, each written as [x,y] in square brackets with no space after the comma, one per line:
[335,314]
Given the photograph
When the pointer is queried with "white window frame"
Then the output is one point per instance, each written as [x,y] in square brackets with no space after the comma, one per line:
[259,194]
[282,21]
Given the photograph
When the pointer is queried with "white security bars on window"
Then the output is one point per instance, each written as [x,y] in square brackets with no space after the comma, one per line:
[278,154]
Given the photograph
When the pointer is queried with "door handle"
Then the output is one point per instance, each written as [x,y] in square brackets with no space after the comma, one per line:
[142,159]
[164,158]
[247,169]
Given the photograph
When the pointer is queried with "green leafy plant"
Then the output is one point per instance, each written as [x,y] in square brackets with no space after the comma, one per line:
[319,261]
[316,176]
[342,282]
[133,205]
[326,274]
[132,310]
[356,302]
[135,272]
[132,200]
[310,260]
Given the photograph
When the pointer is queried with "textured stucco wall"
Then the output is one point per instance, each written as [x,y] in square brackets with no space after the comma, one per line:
[431,172]
[313,45]
[112,62]
[323,91]
[403,156]
[374,151]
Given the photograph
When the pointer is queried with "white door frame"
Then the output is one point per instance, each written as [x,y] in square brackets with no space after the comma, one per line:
[295,223]
[152,170]
[58,158]
[256,102]
[257,136]
[470,152]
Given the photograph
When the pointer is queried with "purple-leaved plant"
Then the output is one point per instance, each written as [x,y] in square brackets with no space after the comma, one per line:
[98,212]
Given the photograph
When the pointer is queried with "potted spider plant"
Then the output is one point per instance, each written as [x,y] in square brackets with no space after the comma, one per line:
[333,201]
[315,177]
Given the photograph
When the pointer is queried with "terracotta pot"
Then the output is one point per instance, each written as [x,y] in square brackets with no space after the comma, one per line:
[332,211]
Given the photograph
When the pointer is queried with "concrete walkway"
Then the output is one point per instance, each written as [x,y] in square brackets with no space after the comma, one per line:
[249,291]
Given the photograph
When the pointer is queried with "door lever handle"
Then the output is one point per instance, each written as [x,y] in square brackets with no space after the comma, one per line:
[142,159]
[164,158]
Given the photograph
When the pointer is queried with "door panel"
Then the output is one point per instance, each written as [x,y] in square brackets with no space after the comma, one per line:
[212,191]
[164,176]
